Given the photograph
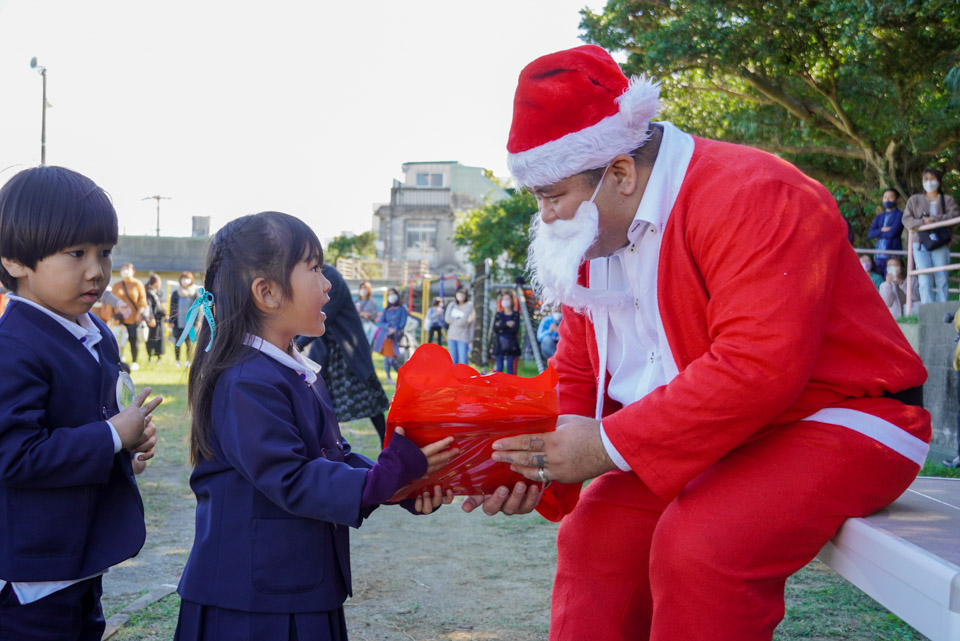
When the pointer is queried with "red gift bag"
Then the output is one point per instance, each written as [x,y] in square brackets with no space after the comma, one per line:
[436,399]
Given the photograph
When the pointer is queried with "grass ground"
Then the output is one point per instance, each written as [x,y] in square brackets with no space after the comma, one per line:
[392,600]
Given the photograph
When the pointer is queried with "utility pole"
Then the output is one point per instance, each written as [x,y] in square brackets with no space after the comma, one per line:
[43,122]
[158,199]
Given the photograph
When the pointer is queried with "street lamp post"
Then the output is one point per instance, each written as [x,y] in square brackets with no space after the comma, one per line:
[43,123]
[158,199]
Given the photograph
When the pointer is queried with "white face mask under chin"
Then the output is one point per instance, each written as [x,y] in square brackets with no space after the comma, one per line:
[556,252]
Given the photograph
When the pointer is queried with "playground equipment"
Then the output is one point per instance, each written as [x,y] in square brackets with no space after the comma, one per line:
[525,297]
[421,290]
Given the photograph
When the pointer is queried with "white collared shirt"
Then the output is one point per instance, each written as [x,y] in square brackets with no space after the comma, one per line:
[296,361]
[634,345]
[86,331]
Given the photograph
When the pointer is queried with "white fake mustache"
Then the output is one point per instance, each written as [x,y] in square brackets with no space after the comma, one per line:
[555,255]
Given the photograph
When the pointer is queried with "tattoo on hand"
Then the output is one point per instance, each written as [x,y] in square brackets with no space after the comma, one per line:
[539,460]
[537,443]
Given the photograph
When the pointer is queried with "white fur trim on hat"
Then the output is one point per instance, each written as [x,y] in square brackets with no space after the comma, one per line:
[593,146]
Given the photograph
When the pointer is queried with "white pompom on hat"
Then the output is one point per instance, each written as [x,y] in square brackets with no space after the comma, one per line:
[574,110]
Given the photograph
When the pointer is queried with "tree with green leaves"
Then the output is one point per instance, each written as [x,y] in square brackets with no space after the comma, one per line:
[353,246]
[853,92]
[500,231]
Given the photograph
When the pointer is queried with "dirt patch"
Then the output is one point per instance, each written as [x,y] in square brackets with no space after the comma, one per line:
[451,576]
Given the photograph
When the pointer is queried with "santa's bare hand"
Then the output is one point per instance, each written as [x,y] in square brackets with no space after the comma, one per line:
[571,454]
[522,500]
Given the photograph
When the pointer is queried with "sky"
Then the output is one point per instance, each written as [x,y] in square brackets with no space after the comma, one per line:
[230,108]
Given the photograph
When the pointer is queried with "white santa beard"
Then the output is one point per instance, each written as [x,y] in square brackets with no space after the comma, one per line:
[554,257]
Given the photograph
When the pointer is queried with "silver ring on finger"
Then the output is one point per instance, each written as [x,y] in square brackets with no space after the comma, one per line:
[541,474]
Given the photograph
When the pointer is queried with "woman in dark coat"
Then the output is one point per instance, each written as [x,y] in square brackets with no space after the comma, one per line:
[154,317]
[346,360]
[506,325]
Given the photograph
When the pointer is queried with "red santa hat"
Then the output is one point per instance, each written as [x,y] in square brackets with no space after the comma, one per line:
[574,110]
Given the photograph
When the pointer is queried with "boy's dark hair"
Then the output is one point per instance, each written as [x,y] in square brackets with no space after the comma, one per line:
[896,194]
[265,245]
[46,209]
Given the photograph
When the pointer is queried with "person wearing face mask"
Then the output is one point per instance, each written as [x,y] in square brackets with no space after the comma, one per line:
[434,321]
[180,303]
[733,396]
[866,261]
[132,292]
[893,290]
[390,326]
[461,320]
[887,227]
[506,328]
[548,333]
[929,207]
[367,308]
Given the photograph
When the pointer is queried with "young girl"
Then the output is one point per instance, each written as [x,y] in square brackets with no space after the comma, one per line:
[390,326]
[276,484]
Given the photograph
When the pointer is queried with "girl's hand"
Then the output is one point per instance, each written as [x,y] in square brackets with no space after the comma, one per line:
[438,455]
[425,504]
[435,452]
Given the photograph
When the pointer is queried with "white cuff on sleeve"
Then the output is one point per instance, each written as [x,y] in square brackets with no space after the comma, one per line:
[612,452]
[117,445]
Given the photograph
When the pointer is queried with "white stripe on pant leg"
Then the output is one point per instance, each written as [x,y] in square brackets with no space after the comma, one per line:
[883,432]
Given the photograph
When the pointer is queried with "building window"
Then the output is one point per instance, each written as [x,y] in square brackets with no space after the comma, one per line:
[422,234]
[429,180]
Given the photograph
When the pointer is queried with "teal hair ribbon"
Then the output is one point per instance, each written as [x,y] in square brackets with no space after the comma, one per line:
[204,302]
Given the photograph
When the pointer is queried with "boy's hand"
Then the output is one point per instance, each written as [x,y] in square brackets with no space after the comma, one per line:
[425,504]
[131,422]
[145,449]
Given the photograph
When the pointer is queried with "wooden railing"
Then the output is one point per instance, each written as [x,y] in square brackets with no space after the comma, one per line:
[911,272]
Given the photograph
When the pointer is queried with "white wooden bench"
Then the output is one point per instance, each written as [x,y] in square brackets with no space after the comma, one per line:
[907,557]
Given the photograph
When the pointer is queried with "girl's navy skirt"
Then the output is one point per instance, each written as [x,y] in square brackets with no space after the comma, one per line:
[210,623]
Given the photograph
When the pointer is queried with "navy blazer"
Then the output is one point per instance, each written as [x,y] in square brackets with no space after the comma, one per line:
[274,504]
[69,506]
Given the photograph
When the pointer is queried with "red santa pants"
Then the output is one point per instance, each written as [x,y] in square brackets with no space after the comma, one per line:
[712,563]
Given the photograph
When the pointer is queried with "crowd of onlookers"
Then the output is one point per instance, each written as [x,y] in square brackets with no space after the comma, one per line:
[931,248]
[458,323]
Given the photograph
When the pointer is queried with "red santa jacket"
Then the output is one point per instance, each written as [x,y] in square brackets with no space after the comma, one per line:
[769,317]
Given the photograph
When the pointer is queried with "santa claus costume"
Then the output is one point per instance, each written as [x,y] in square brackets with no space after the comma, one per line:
[747,389]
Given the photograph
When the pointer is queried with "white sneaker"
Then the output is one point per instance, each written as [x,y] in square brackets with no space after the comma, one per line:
[134,367]
[954,463]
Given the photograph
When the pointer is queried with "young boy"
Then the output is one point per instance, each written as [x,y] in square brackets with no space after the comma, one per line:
[69,504]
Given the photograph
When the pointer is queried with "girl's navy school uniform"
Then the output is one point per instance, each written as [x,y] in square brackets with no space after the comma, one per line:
[69,503]
[270,559]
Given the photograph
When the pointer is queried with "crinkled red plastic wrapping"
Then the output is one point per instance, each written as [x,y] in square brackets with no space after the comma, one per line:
[436,399]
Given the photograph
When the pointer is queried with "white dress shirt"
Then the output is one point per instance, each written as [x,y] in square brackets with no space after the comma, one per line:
[630,339]
[87,333]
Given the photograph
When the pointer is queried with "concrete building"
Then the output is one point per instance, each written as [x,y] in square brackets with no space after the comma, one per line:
[418,222]
[168,256]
